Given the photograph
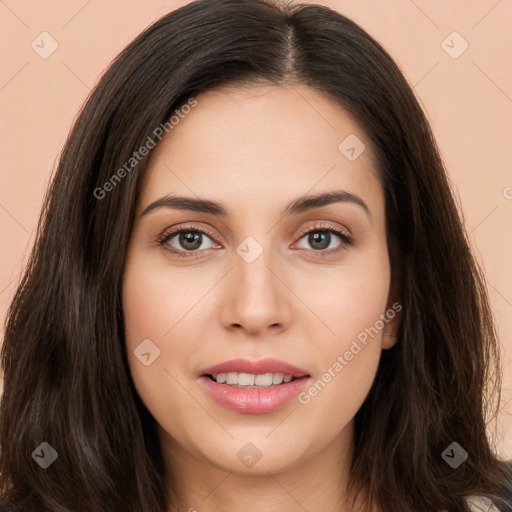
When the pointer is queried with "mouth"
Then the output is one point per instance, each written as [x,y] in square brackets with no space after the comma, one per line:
[253,387]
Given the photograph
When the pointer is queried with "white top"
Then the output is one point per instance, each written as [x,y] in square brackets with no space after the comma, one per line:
[481,504]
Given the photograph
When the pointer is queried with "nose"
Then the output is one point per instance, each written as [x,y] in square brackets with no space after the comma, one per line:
[257,299]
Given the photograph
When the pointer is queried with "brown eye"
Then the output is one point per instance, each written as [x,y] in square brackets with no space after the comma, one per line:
[321,239]
[189,240]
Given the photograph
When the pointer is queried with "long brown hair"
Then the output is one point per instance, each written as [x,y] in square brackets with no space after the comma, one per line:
[66,376]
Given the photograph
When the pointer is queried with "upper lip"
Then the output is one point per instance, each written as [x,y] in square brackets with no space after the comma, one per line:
[255,367]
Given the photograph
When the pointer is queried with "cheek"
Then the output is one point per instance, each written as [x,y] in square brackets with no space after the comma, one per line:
[158,298]
[158,305]
[347,300]
[160,320]
[346,363]
[147,318]
[352,305]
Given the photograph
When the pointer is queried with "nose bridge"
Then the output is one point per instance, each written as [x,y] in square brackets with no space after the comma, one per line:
[256,300]
[252,269]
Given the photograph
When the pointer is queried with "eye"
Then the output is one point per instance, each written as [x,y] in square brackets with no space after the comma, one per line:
[320,239]
[188,240]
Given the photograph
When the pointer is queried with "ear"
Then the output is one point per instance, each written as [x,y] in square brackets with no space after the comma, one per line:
[394,310]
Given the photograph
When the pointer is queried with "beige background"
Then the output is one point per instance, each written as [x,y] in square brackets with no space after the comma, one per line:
[468,100]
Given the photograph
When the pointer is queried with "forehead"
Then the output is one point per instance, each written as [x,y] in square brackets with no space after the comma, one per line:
[253,145]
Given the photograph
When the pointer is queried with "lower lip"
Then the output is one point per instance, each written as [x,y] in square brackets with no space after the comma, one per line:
[254,400]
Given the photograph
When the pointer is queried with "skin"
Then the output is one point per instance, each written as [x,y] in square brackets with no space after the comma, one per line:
[255,150]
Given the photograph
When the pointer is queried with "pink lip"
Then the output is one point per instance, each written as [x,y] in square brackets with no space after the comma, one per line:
[255,367]
[254,400]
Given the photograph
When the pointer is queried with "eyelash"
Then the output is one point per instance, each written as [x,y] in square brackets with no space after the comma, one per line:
[166,236]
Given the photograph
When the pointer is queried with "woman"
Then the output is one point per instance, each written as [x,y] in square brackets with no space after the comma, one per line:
[251,288]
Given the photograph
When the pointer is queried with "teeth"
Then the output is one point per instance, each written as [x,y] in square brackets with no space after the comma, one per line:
[248,379]
[277,378]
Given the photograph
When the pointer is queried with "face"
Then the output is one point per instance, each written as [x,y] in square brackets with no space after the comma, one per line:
[308,285]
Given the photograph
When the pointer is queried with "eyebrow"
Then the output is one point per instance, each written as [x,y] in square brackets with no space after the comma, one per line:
[299,205]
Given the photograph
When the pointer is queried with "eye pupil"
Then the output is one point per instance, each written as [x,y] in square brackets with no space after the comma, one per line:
[320,237]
